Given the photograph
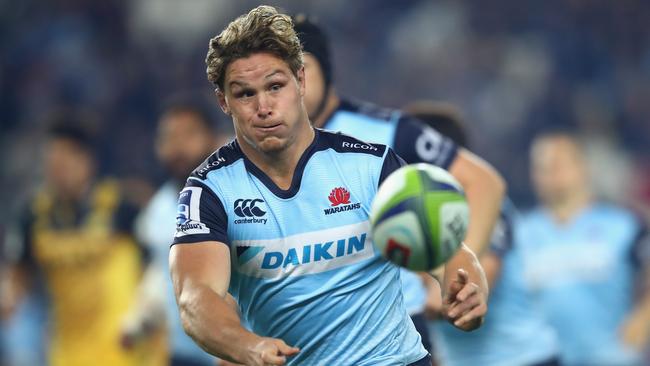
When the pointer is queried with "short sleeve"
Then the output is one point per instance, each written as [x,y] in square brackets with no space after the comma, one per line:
[416,142]
[641,246]
[200,216]
[391,163]
[502,235]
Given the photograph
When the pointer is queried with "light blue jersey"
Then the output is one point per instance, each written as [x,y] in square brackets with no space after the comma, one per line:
[413,141]
[514,332]
[303,265]
[154,226]
[582,274]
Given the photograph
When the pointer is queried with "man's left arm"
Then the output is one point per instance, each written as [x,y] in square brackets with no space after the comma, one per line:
[635,330]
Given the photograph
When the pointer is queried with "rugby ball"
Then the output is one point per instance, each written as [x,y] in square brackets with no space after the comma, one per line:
[419,217]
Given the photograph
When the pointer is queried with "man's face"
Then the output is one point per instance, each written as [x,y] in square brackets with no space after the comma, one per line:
[265,100]
[183,142]
[314,85]
[558,169]
[68,167]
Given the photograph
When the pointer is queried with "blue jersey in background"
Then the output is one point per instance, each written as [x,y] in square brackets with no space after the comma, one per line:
[514,332]
[582,274]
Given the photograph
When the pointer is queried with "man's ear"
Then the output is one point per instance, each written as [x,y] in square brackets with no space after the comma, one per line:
[301,80]
[221,99]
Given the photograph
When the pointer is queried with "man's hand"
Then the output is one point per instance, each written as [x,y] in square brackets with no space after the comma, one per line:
[270,351]
[464,303]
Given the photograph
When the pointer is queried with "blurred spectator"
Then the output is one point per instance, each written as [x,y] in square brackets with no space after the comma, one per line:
[76,236]
[583,259]
[187,134]
[514,333]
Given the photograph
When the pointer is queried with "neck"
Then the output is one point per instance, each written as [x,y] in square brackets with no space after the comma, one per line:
[565,210]
[280,165]
[331,104]
[72,195]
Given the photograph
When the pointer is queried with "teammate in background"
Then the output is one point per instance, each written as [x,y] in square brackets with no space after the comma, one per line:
[187,133]
[583,259]
[77,234]
[411,139]
[514,332]
[253,221]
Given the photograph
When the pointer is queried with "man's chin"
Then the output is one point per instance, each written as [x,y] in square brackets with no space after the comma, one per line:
[272,145]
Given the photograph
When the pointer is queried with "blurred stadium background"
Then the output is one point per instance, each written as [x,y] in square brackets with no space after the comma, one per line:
[513,67]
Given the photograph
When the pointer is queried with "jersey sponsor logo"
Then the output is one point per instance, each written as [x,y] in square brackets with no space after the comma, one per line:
[305,253]
[428,145]
[188,218]
[337,197]
[203,171]
[250,210]
[359,146]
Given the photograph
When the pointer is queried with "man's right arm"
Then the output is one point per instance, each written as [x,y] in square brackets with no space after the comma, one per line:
[201,274]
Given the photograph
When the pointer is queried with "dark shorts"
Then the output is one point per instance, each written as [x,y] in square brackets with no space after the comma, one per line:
[420,322]
[426,361]
[551,362]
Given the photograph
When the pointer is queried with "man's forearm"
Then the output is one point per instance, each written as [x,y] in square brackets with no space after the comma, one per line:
[484,202]
[465,259]
[214,324]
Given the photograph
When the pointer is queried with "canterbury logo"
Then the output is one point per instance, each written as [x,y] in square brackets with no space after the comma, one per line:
[339,196]
[248,208]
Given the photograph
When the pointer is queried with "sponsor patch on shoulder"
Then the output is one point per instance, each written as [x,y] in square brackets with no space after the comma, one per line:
[188,218]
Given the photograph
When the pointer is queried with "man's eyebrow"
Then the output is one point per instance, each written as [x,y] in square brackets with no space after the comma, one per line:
[241,84]
[275,72]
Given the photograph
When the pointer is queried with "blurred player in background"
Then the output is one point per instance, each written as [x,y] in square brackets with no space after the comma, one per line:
[187,134]
[583,259]
[411,139]
[251,222]
[514,332]
[77,235]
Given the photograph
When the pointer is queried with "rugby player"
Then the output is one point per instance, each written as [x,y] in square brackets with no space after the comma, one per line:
[514,333]
[256,239]
[599,256]
[411,139]
[187,133]
[76,235]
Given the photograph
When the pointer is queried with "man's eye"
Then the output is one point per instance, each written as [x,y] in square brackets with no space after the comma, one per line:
[276,87]
[244,94]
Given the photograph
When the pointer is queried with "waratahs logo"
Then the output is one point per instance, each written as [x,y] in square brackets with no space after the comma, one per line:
[250,210]
[340,196]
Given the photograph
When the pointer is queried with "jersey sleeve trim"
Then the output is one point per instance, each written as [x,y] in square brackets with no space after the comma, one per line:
[391,163]
[201,215]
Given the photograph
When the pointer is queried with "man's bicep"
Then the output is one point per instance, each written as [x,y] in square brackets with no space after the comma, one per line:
[468,167]
[200,264]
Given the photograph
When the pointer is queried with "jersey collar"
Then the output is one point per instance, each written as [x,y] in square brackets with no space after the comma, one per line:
[297,174]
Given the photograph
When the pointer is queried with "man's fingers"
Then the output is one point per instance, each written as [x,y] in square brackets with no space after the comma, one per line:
[474,314]
[287,350]
[273,359]
[461,307]
[462,276]
[467,291]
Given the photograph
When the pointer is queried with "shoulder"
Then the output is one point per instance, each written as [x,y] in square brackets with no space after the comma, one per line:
[343,143]
[370,110]
[223,157]
[613,214]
